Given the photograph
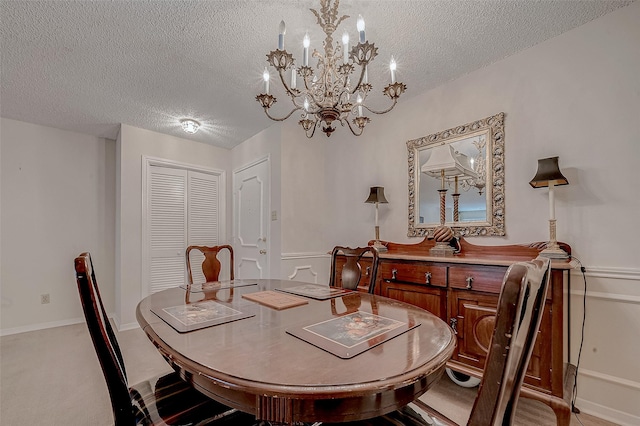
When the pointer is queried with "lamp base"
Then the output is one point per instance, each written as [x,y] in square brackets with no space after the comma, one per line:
[442,249]
[553,251]
[379,247]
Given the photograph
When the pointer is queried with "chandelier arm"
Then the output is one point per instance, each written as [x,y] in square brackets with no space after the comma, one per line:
[351,128]
[314,105]
[266,111]
[395,101]
[357,86]
[289,92]
[313,131]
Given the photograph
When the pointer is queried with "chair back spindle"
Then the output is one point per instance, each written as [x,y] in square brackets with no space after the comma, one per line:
[211,265]
[352,269]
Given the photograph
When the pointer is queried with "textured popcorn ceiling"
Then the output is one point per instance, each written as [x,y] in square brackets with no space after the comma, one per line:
[87,66]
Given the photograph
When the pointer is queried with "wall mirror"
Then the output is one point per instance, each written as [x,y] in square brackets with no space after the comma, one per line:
[470,158]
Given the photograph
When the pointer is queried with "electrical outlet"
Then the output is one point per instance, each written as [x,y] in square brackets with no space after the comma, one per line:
[44,299]
[274,215]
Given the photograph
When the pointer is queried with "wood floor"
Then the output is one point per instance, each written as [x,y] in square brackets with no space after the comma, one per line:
[52,377]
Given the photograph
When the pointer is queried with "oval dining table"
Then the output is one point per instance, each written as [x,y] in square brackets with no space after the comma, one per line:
[264,364]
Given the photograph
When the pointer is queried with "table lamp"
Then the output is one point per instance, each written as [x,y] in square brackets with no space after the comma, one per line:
[376,195]
[549,175]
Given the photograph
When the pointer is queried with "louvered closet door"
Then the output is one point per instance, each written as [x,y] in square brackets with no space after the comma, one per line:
[203,220]
[167,221]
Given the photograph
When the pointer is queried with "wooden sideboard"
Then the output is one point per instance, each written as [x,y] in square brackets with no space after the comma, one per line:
[463,290]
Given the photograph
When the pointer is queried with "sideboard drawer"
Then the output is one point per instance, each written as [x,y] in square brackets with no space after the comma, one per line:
[414,273]
[487,279]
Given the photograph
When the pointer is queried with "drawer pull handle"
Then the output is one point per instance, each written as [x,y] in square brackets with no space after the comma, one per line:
[394,274]
[367,271]
[453,322]
[427,277]
[469,281]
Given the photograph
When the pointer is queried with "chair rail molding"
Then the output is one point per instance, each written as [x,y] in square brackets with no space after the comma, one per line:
[304,255]
[608,272]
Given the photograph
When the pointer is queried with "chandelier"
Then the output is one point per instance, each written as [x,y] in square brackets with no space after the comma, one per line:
[336,91]
[478,165]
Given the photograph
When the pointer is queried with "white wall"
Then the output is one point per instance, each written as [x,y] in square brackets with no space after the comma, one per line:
[576,96]
[298,243]
[134,143]
[58,191]
[305,225]
[265,144]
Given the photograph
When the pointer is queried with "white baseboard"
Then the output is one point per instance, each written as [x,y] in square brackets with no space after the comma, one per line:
[606,413]
[631,384]
[129,326]
[40,326]
[62,323]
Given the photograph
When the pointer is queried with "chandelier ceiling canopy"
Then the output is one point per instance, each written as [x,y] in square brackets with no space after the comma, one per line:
[337,89]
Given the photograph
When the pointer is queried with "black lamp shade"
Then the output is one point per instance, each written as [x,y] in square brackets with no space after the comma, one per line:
[376,195]
[548,170]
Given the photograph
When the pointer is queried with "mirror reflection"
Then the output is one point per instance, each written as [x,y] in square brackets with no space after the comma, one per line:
[456,178]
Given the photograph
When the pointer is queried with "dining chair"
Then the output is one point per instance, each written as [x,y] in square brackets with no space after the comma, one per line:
[211,265]
[519,312]
[351,272]
[164,400]
[518,315]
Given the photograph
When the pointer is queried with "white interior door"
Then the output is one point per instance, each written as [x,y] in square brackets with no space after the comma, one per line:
[251,193]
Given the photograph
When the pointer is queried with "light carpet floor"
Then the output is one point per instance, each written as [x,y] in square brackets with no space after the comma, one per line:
[52,377]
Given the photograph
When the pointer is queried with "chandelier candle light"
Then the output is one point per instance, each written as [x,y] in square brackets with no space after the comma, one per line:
[327,93]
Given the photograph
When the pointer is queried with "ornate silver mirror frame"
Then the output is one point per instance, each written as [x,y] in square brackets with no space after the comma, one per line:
[475,168]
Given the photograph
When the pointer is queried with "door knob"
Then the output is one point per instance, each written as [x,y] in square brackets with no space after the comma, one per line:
[263,251]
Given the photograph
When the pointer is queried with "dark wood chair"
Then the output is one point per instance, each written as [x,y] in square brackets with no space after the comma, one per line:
[165,400]
[211,265]
[349,275]
[518,315]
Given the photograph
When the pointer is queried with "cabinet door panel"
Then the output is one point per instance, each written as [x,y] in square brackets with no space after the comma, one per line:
[475,317]
[430,298]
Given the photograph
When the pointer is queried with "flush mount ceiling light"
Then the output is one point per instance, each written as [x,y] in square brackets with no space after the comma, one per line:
[336,90]
[190,126]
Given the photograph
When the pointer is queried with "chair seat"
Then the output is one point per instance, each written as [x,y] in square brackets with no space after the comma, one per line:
[169,400]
